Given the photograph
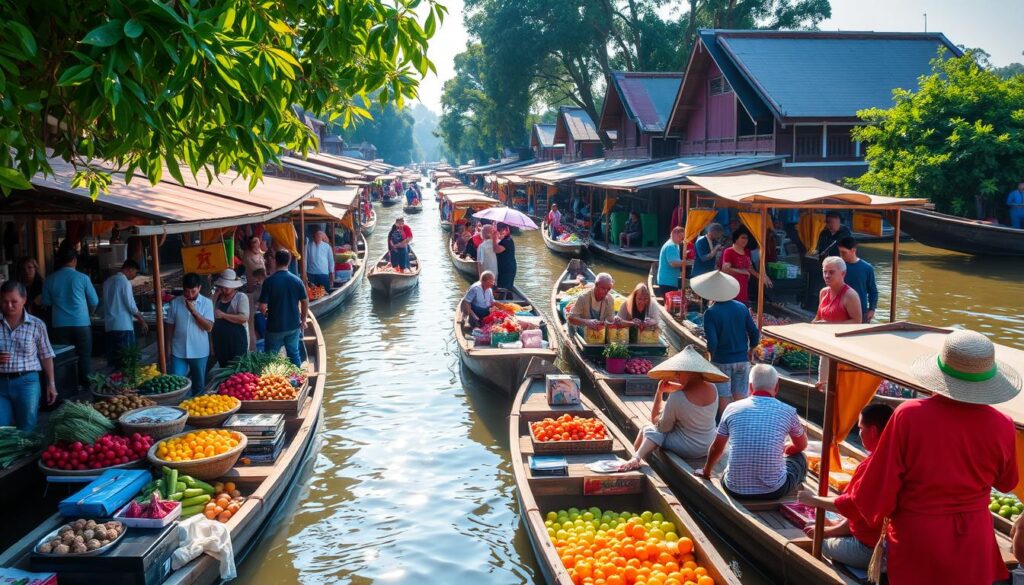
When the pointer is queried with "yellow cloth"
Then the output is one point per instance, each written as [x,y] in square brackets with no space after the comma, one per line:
[609,204]
[752,221]
[809,227]
[284,235]
[347,222]
[854,390]
[215,235]
[458,213]
[696,221]
[205,259]
[1019,490]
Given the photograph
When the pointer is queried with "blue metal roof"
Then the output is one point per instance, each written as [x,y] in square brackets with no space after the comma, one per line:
[675,171]
[545,134]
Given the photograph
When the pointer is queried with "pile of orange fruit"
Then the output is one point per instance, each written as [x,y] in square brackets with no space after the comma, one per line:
[225,503]
[209,404]
[315,292]
[608,548]
[568,428]
[196,445]
[275,387]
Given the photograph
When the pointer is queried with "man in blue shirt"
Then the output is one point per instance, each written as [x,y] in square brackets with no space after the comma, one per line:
[72,298]
[284,302]
[707,248]
[1015,201]
[860,276]
[670,263]
[119,309]
[189,322]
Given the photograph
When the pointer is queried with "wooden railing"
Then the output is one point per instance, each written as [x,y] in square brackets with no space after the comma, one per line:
[628,152]
[752,144]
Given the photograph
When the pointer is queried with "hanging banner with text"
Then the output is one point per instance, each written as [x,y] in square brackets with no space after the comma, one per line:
[867,223]
[205,259]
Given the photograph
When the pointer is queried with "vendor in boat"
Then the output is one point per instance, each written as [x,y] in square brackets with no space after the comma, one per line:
[736,262]
[24,350]
[189,321]
[638,307]
[320,261]
[486,256]
[1015,201]
[230,335]
[706,250]
[838,303]
[687,425]
[831,234]
[505,253]
[554,221]
[632,233]
[399,239]
[479,298]
[766,441]
[936,463]
[670,263]
[596,306]
[730,332]
[861,277]
[852,541]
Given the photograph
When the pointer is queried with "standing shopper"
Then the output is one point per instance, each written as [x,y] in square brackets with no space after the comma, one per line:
[24,350]
[486,257]
[936,464]
[119,309]
[505,251]
[72,298]
[737,263]
[320,261]
[28,274]
[861,277]
[670,263]
[706,250]
[189,322]
[231,315]
[284,302]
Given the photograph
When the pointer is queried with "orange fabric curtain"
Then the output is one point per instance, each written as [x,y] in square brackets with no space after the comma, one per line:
[284,235]
[552,191]
[609,205]
[347,221]
[457,214]
[696,220]
[1019,490]
[809,227]
[854,390]
[752,221]
[215,235]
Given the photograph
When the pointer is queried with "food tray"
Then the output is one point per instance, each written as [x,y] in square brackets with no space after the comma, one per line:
[212,420]
[137,464]
[147,522]
[92,553]
[584,446]
[171,398]
[207,468]
[285,407]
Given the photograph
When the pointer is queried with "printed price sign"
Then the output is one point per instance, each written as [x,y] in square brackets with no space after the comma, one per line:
[867,223]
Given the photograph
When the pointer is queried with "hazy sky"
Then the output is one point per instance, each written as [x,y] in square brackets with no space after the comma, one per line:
[994,25]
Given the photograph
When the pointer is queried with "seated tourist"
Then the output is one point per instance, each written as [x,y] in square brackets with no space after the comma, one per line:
[479,298]
[852,541]
[762,465]
[638,307]
[596,306]
[687,425]
[632,232]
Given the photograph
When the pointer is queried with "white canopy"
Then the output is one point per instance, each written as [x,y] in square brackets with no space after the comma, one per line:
[767,188]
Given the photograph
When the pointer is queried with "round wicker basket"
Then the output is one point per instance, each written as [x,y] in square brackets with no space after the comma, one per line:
[157,430]
[205,469]
[212,420]
[171,398]
[137,464]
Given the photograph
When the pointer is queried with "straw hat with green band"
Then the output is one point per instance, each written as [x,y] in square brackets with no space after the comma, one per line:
[687,361]
[966,370]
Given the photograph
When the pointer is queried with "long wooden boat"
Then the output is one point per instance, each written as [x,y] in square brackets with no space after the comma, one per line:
[389,283]
[958,234]
[574,249]
[539,495]
[267,488]
[446,226]
[503,368]
[413,208]
[334,299]
[464,264]
[641,258]
[389,201]
[367,227]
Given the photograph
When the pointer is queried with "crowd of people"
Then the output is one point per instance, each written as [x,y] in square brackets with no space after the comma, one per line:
[491,246]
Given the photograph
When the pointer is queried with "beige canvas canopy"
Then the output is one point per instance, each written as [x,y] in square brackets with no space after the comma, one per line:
[756,187]
[471,200]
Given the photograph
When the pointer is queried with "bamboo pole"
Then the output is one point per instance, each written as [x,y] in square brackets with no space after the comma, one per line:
[158,302]
[895,266]
[827,431]
[761,265]
[302,244]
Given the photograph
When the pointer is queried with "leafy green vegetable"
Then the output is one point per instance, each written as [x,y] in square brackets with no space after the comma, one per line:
[77,421]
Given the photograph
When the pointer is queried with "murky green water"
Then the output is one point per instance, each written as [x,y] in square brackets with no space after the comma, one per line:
[412,483]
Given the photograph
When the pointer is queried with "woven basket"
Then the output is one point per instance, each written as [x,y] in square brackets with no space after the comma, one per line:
[205,469]
[137,464]
[158,431]
[213,420]
[171,398]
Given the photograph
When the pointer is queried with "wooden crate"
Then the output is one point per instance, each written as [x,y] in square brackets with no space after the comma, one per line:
[569,447]
[640,386]
[289,408]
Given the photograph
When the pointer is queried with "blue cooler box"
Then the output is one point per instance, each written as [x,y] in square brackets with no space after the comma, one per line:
[106,494]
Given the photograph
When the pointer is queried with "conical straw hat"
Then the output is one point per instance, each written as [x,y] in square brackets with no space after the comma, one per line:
[715,286]
[966,370]
[687,361]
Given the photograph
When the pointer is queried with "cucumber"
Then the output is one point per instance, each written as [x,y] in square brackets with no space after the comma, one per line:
[170,478]
[190,482]
[192,511]
[195,500]
[177,496]
[207,488]
[193,492]
[180,486]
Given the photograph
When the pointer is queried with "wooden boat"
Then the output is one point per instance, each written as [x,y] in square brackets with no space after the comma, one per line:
[464,264]
[958,234]
[267,488]
[539,495]
[503,368]
[389,283]
[367,227]
[574,249]
[413,208]
[446,226]
[334,299]
[389,201]
[636,257]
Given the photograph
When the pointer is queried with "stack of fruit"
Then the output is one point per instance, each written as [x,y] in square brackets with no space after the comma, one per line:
[623,548]
[315,292]
[1006,505]
[638,366]
[241,385]
[108,450]
[192,493]
[149,372]
[163,384]
[225,503]
[113,408]
[196,445]
[275,387]
[209,404]
[568,428]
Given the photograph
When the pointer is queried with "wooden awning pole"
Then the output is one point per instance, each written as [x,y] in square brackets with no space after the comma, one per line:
[827,431]
[158,302]
[302,244]
[895,266]
[40,248]
[761,265]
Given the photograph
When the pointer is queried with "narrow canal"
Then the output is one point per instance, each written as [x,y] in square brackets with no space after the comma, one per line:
[413,484]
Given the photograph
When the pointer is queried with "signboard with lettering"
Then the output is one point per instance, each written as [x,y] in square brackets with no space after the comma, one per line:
[867,223]
[612,485]
[205,259]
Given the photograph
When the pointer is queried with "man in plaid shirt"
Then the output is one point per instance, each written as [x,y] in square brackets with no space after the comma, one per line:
[24,350]
[761,464]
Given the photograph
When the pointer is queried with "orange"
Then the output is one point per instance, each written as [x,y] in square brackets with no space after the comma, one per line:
[685,545]
[705,580]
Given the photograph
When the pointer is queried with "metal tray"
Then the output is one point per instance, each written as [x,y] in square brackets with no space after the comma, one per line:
[92,553]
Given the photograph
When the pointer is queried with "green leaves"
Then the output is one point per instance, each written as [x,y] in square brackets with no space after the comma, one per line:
[105,35]
[133,29]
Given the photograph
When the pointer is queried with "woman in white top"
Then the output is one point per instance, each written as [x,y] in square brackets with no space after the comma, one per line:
[687,425]
[252,257]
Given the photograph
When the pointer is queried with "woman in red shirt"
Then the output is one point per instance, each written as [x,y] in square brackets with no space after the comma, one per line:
[736,263]
[837,301]
[936,464]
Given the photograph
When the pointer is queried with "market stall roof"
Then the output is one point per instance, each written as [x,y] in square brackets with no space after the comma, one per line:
[499,166]
[172,207]
[534,167]
[470,199]
[668,172]
[756,187]
[352,165]
[463,168]
[338,195]
[586,168]
[888,350]
[314,169]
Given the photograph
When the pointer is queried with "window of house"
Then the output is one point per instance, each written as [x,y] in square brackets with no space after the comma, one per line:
[720,85]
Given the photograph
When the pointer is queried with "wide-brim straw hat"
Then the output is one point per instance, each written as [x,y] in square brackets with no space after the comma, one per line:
[687,361]
[228,279]
[966,370]
[715,286]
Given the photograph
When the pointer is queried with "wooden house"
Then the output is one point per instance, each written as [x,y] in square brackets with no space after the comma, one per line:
[542,143]
[636,108]
[576,130]
[794,93]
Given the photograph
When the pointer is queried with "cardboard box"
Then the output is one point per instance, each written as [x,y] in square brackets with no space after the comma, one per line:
[562,389]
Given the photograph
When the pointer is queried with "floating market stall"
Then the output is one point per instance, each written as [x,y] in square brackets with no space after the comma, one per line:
[389,282]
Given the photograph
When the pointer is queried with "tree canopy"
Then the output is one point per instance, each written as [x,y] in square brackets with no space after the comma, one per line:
[957,140]
[390,130]
[148,85]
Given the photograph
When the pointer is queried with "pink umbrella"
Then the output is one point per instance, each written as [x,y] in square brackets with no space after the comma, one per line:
[507,216]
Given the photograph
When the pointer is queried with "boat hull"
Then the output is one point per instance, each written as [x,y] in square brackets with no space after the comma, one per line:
[412,209]
[392,284]
[327,304]
[560,248]
[603,250]
[464,265]
[389,202]
[957,234]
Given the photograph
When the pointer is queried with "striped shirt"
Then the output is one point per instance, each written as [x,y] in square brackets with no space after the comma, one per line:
[757,428]
[27,343]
